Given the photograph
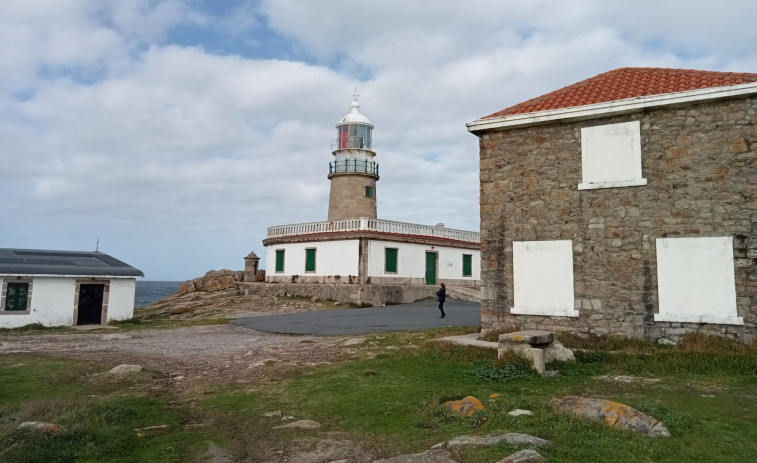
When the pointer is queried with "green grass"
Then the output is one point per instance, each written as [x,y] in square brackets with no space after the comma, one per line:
[705,391]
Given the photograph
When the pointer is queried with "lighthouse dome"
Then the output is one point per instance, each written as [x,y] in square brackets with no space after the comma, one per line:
[354,116]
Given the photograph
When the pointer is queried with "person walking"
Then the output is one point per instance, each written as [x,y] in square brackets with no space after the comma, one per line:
[441,296]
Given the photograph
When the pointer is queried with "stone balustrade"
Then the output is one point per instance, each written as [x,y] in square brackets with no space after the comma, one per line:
[376,225]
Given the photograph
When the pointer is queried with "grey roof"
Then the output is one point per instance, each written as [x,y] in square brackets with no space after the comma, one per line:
[75,263]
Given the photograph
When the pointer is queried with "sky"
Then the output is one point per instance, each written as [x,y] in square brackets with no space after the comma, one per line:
[176,132]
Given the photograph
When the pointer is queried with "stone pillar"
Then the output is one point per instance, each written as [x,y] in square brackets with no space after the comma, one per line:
[251,267]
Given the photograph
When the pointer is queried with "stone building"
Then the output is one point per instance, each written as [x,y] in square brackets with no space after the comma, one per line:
[55,288]
[624,204]
[355,247]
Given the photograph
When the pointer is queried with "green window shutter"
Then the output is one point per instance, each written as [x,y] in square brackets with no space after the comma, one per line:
[390,260]
[467,265]
[16,296]
[368,190]
[310,260]
[279,260]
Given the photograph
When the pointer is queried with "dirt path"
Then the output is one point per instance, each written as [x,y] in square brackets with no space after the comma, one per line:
[188,355]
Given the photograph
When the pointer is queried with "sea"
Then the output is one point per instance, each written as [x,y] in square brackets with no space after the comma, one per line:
[148,292]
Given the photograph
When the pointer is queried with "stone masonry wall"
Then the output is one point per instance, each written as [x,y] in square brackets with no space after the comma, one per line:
[347,198]
[700,161]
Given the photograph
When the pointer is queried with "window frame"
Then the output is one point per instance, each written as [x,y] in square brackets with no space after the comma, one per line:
[387,251]
[369,191]
[4,292]
[308,253]
[282,253]
[470,265]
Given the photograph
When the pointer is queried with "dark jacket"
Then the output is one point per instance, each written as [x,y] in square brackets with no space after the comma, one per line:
[441,295]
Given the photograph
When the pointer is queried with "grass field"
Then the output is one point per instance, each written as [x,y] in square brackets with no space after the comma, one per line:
[705,391]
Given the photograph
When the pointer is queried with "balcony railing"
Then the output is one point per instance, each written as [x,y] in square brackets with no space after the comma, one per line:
[354,165]
[377,225]
[353,143]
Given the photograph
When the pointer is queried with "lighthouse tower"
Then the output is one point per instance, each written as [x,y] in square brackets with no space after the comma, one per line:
[353,173]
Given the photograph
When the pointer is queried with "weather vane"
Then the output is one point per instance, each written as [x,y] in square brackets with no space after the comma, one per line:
[355,95]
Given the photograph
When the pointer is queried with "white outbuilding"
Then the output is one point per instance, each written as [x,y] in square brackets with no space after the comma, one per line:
[60,288]
[354,246]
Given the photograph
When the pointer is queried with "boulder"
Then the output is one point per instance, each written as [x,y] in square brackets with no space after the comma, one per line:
[556,352]
[40,426]
[512,438]
[466,406]
[214,280]
[524,456]
[125,369]
[613,414]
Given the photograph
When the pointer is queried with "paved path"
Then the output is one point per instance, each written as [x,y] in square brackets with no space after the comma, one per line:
[415,316]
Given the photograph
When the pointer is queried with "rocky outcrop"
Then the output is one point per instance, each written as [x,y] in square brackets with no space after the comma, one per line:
[613,414]
[214,280]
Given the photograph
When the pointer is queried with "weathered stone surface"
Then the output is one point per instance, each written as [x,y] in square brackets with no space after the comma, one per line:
[125,369]
[40,426]
[300,424]
[613,414]
[557,353]
[697,185]
[524,456]
[214,280]
[273,414]
[430,456]
[520,412]
[466,406]
[354,341]
[533,337]
[534,355]
[512,438]
[116,337]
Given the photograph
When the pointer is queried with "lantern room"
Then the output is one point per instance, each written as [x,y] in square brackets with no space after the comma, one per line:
[354,130]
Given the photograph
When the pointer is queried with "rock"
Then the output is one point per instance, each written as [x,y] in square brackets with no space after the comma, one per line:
[214,454]
[392,348]
[429,456]
[116,337]
[314,299]
[125,369]
[524,456]
[180,310]
[300,424]
[520,412]
[214,280]
[493,396]
[512,438]
[666,342]
[354,342]
[532,337]
[613,414]
[557,353]
[438,446]
[466,406]
[41,426]
[273,414]
[152,430]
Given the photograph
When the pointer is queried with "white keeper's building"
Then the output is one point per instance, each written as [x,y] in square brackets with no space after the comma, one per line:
[354,246]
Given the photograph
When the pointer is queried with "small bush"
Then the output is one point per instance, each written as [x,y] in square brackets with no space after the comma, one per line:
[510,371]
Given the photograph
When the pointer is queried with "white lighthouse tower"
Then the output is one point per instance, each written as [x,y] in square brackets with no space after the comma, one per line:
[353,173]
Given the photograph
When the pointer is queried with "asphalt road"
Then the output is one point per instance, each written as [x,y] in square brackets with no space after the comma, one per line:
[414,316]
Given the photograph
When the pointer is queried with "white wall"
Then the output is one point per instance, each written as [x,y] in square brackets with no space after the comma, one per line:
[52,302]
[543,278]
[411,261]
[121,298]
[338,257]
[695,280]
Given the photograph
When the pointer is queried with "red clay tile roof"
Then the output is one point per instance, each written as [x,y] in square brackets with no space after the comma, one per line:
[622,83]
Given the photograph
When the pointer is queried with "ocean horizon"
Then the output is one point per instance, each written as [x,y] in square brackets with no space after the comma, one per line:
[148,291]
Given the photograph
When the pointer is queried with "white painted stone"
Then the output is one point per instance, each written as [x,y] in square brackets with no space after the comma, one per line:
[611,156]
[543,278]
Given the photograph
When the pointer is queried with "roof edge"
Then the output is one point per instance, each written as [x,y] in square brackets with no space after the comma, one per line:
[609,108]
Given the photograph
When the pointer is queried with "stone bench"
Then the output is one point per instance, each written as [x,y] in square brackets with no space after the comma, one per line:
[539,347]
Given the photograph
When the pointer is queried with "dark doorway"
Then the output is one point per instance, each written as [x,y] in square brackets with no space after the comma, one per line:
[90,304]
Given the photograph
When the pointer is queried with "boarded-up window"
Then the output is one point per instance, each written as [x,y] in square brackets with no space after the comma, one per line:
[543,278]
[279,260]
[611,156]
[467,265]
[16,296]
[696,281]
[310,260]
[390,260]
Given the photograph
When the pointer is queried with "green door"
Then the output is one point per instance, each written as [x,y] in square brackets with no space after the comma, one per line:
[430,268]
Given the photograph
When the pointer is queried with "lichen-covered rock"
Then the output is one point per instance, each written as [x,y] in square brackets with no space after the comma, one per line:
[524,456]
[512,438]
[214,280]
[613,414]
[466,406]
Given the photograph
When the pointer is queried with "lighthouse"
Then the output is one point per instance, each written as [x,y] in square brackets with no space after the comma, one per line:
[353,172]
